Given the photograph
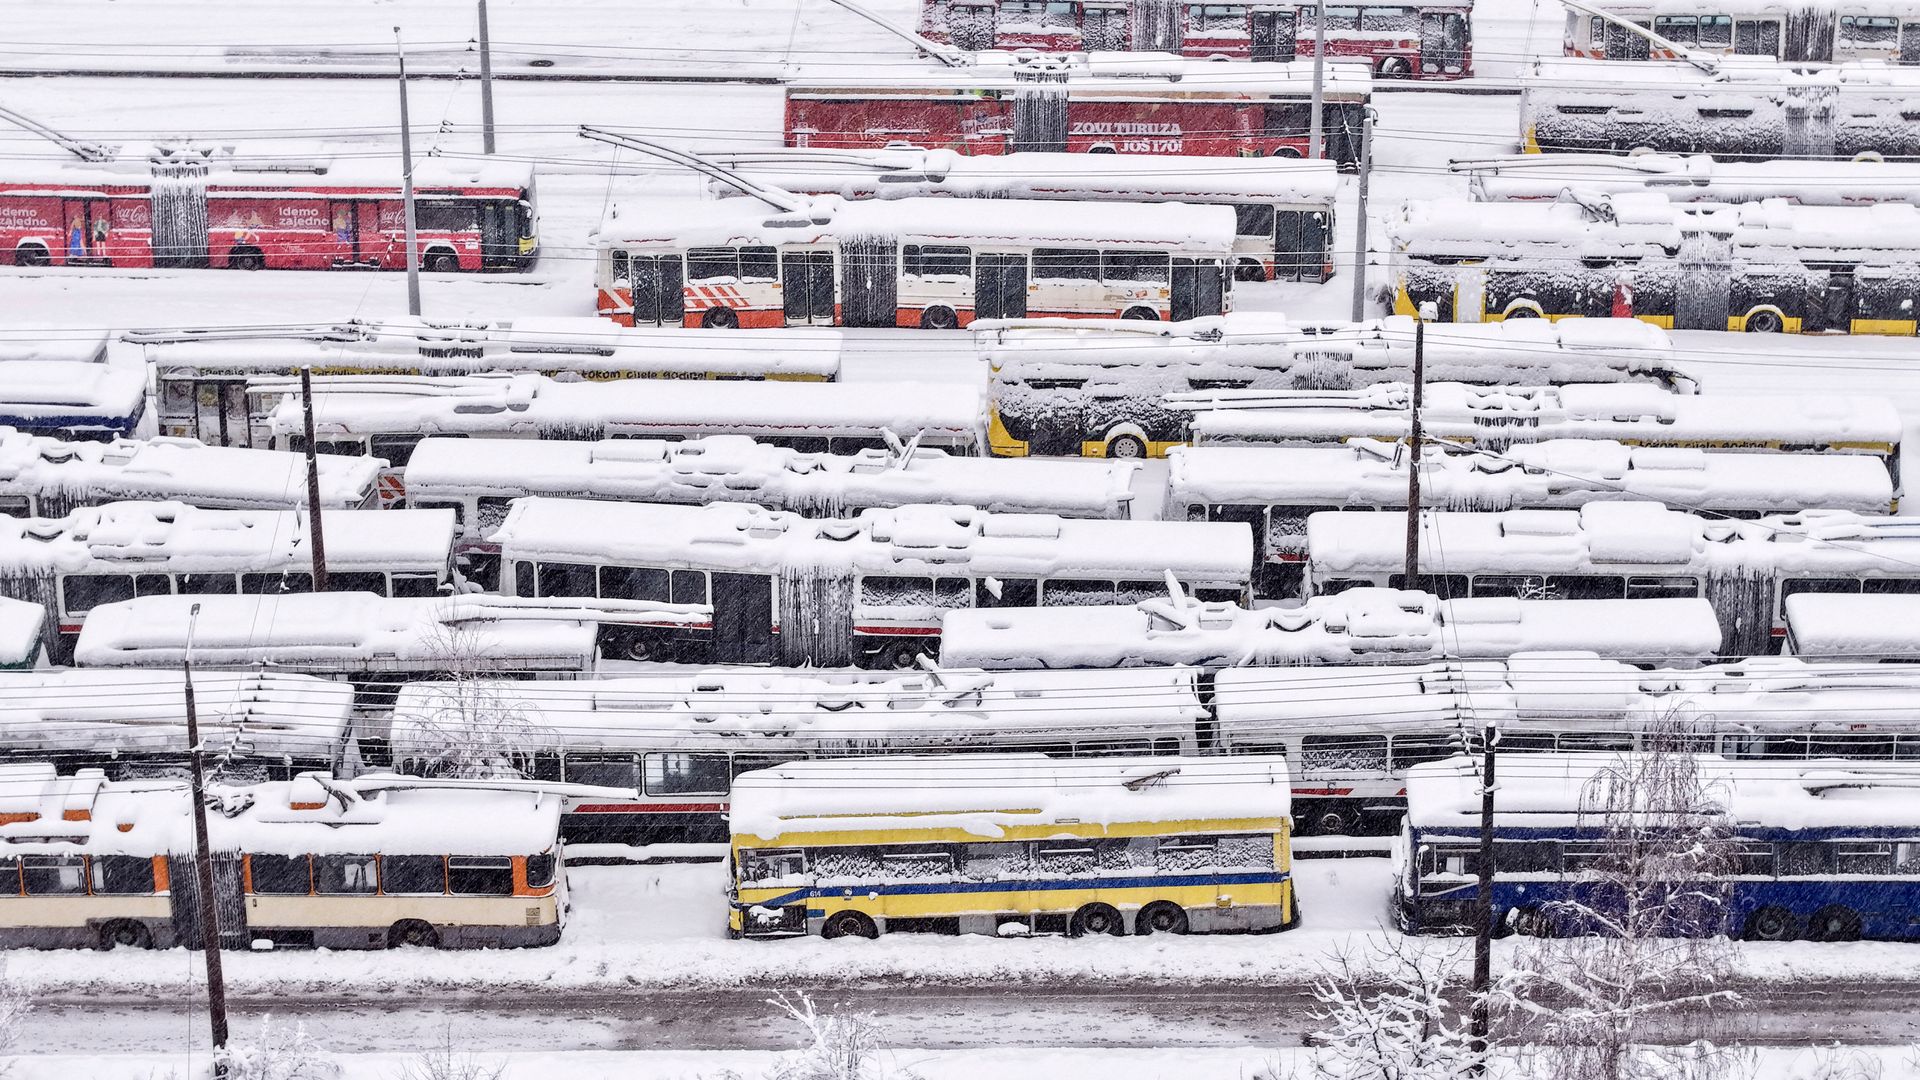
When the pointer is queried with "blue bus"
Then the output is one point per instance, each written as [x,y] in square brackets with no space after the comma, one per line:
[1816,850]
[72,399]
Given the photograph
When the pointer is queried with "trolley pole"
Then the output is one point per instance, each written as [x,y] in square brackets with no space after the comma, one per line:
[1483,908]
[1360,220]
[406,183]
[203,861]
[316,533]
[1316,148]
[486,85]
[1413,452]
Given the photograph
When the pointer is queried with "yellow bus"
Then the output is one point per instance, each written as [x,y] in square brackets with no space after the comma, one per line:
[1011,844]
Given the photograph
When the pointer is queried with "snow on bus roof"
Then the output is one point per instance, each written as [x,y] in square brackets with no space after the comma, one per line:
[71,345]
[985,794]
[1034,222]
[494,404]
[21,624]
[36,389]
[1355,625]
[1576,75]
[1125,75]
[1650,220]
[1553,473]
[734,468]
[857,174]
[1552,790]
[214,477]
[1883,626]
[346,631]
[902,541]
[1690,178]
[260,714]
[172,536]
[312,814]
[1610,537]
[786,710]
[309,177]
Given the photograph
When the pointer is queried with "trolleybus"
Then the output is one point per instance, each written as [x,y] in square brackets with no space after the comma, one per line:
[1688,178]
[1866,627]
[1818,33]
[71,399]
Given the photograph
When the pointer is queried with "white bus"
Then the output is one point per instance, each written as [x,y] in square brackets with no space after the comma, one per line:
[1275,488]
[202,377]
[1626,550]
[87,862]
[936,264]
[1818,33]
[1356,626]
[869,589]
[1883,627]
[1097,388]
[100,555]
[47,477]
[1283,208]
[1684,178]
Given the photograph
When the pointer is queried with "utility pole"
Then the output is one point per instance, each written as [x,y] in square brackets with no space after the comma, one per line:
[1360,224]
[315,532]
[203,862]
[406,183]
[1413,451]
[486,85]
[1316,148]
[1483,907]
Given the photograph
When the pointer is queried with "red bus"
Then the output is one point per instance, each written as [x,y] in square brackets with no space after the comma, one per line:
[1405,41]
[1098,105]
[325,217]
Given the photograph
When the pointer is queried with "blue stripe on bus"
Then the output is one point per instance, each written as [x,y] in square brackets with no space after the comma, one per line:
[1157,881]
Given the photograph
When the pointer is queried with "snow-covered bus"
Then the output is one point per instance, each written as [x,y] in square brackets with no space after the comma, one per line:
[210,382]
[1355,626]
[104,554]
[1815,850]
[1688,178]
[253,725]
[1627,550]
[1283,209]
[1001,843]
[1275,489]
[1767,267]
[868,589]
[72,399]
[1497,419]
[1101,389]
[374,863]
[1820,32]
[1751,109]
[935,264]
[1866,627]
[47,477]
[1101,103]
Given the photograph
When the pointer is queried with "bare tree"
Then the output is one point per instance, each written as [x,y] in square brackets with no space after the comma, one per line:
[445,1061]
[471,724]
[278,1053]
[15,1004]
[1640,946]
[846,1046]
[1392,1010]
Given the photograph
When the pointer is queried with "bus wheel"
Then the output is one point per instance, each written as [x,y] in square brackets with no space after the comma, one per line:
[1126,448]
[720,318]
[1335,819]
[1161,917]
[1834,923]
[1771,924]
[125,935]
[1141,314]
[412,932]
[1765,322]
[849,924]
[30,255]
[1096,919]
[1531,922]
[1522,313]
[939,318]
[900,656]
[246,259]
[1248,270]
[441,262]
[1395,67]
[642,650]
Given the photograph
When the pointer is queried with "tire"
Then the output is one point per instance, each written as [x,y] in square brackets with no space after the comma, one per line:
[1334,819]
[124,935]
[849,924]
[641,650]
[412,933]
[1248,270]
[939,318]
[1532,922]
[1522,313]
[900,656]
[1395,67]
[1771,924]
[246,259]
[1103,150]
[1096,920]
[1160,917]
[1765,322]
[31,255]
[441,262]
[1835,922]
[1126,448]
[1288,153]
[1140,314]
[720,319]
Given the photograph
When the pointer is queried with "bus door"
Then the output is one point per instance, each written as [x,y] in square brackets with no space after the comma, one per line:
[1103,28]
[972,24]
[659,296]
[220,415]
[1443,42]
[1300,245]
[499,233]
[343,219]
[742,619]
[1274,37]
[1834,312]
[1199,288]
[1623,44]
[1910,43]
[85,236]
[1752,37]
[1000,286]
[806,287]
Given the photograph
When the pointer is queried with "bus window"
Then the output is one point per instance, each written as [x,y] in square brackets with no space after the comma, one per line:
[435,215]
[459,508]
[1410,750]
[122,875]
[1231,18]
[1527,857]
[708,264]
[1344,753]
[1586,587]
[1066,264]
[490,512]
[396,449]
[689,587]
[568,579]
[358,581]
[1290,118]
[1516,586]
[1684,29]
[280,875]
[772,864]
[16,506]
[921,862]
[1756,37]
[1662,588]
[1058,858]
[1756,860]
[1596,741]
[1794,586]
[1890,585]
[54,875]
[633,583]
[896,591]
[415,585]
[1076,591]
[759,264]
[345,875]
[686,774]
[603,770]
[413,875]
[1806,859]
[1006,592]
[1136,266]
[205,584]
[540,870]
[1253,219]
[1715,31]
[1132,592]
[935,261]
[85,592]
[1392,20]
[469,875]
[1445,586]
[267,584]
